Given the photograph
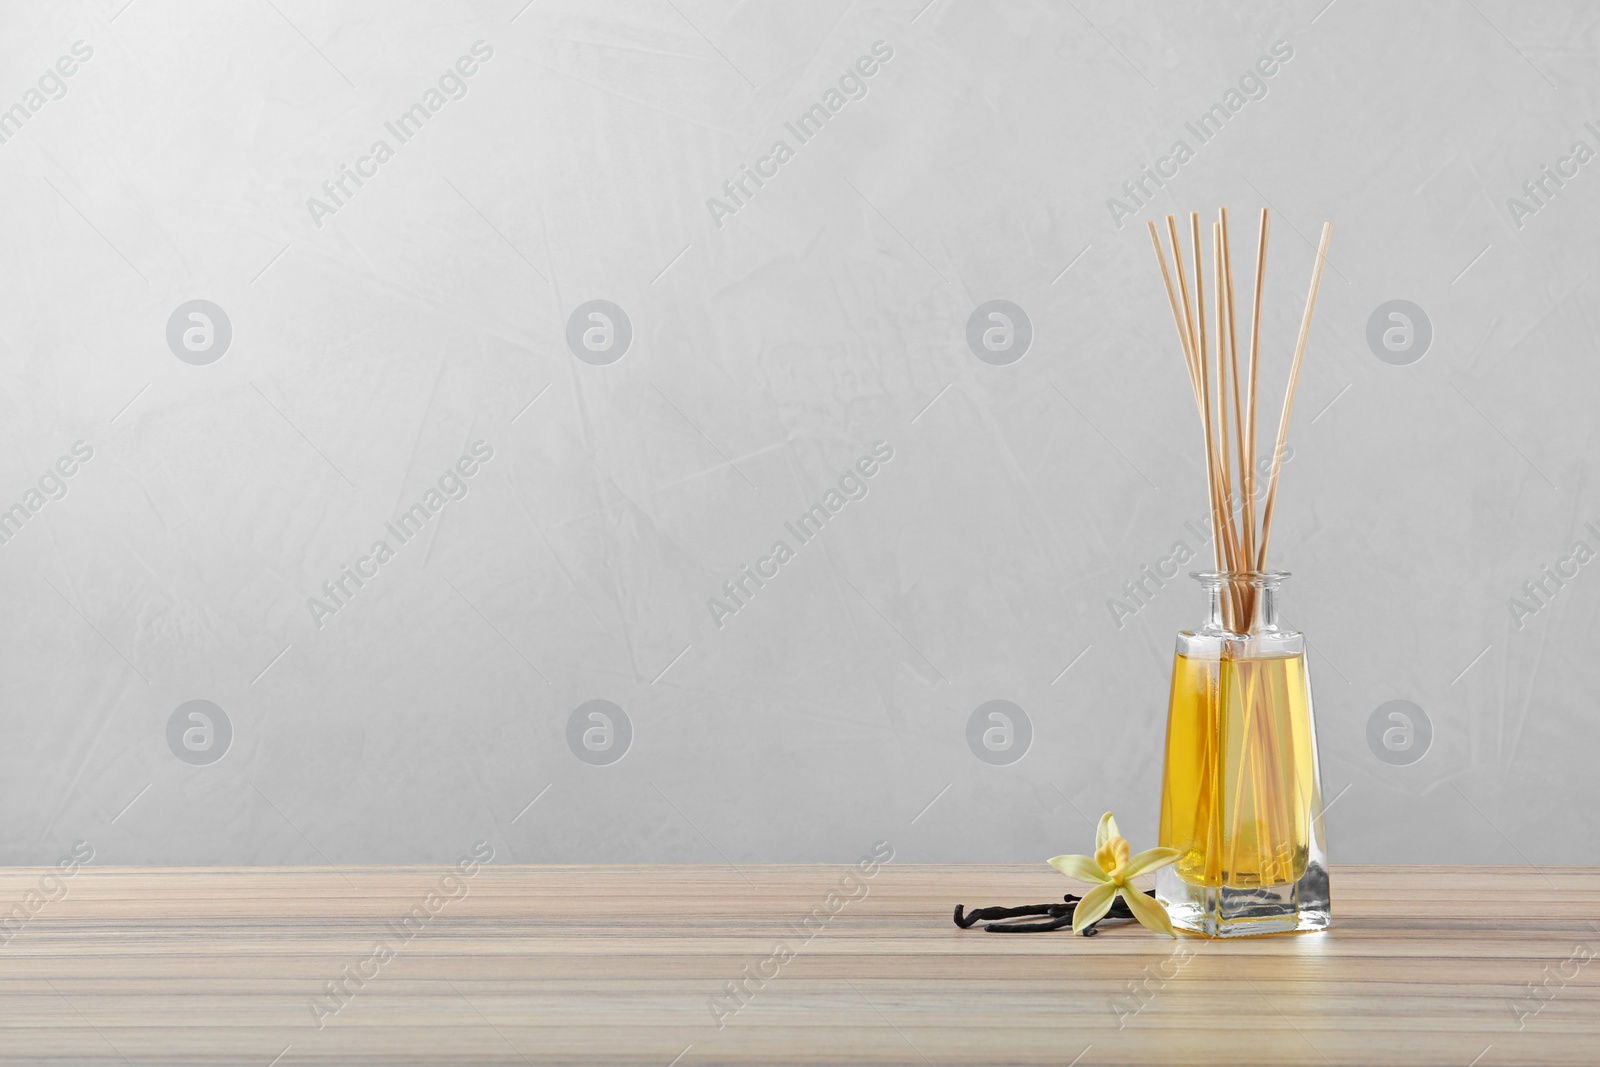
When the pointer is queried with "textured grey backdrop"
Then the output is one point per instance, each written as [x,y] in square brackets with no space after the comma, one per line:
[371,335]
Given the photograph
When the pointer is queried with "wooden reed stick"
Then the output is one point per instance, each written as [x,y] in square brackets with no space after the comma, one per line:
[1178,318]
[1288,395]
[1192,354]
[1224,446]
[1189,353]
[1246,540]
[1230,544]
[1233,349]
[1205,392]
[1251,392]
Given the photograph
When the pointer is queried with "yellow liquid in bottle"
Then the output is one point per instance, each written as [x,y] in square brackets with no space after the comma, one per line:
[1240,784]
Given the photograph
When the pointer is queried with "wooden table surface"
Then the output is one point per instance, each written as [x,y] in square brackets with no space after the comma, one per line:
[590,965]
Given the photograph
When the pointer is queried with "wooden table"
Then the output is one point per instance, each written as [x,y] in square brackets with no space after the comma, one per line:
[590,965]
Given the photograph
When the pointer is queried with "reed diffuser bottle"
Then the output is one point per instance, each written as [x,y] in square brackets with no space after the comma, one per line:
[1241,798]
[1241,795]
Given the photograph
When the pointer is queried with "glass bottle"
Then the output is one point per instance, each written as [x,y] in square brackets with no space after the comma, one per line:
[1241,796]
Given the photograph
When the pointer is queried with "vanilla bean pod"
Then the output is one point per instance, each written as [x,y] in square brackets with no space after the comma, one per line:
[1056,916]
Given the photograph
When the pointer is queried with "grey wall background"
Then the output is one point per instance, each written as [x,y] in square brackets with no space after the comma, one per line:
[768,353]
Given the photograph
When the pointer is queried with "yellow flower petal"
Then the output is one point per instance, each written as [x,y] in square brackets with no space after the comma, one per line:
[1147,910]
[1106,830]
[1082,868]
[1151,859]
[1095,903]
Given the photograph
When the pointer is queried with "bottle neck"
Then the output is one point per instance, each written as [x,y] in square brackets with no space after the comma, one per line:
[1241,604]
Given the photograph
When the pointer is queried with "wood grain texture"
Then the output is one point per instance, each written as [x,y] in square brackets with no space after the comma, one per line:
[601,965]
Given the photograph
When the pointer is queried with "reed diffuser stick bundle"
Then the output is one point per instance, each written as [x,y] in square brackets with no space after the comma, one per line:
[1226,404]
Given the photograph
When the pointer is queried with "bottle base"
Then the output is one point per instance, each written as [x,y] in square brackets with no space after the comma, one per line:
[1233,911]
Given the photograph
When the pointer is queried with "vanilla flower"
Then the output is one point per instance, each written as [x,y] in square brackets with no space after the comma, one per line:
[1112,870]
